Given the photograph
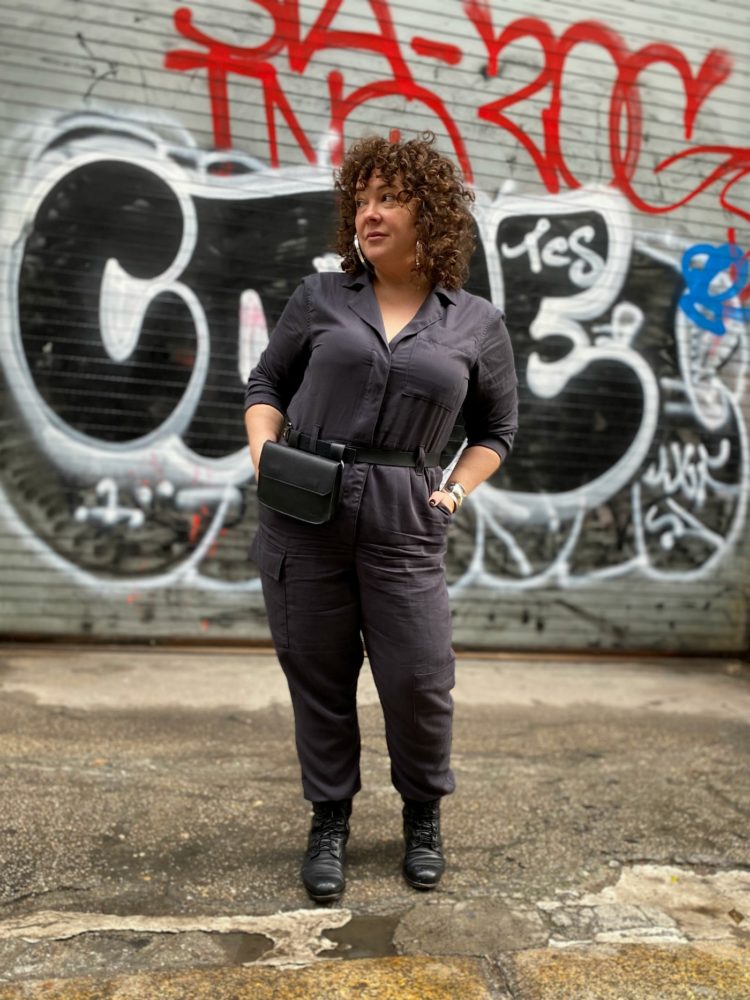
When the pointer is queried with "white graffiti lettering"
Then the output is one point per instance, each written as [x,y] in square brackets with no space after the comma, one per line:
[686,469]
[585,266]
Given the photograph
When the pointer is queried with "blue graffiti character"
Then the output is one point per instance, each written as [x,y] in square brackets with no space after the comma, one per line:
[707,307]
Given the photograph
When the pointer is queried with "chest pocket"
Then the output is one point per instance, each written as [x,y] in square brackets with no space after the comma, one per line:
[435,374]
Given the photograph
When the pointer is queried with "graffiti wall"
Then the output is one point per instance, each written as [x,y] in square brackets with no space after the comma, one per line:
[167,182]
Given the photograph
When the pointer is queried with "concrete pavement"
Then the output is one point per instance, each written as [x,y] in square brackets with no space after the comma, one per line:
[152,827]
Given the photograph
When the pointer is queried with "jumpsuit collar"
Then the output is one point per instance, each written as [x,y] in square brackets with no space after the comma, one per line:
[365,305]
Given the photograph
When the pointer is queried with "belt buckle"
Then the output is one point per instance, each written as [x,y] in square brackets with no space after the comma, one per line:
[337,450]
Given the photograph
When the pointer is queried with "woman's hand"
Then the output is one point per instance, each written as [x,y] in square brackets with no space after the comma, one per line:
[476,464]
[441,498]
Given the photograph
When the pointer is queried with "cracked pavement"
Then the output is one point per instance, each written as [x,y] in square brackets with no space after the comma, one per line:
[152,828]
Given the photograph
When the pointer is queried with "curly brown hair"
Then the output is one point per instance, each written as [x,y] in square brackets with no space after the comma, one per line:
[445,227]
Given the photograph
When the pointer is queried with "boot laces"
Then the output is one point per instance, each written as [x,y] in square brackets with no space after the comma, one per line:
[423,828]
[327,833]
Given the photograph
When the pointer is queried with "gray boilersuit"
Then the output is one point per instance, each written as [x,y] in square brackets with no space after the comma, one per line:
[376,571]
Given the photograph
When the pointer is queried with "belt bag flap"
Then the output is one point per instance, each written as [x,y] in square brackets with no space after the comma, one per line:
[298,484]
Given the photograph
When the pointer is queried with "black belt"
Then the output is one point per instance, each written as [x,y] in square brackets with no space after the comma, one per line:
[342,452]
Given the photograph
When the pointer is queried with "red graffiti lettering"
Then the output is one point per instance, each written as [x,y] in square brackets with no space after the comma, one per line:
[450,54]
[220,59]
[625,124]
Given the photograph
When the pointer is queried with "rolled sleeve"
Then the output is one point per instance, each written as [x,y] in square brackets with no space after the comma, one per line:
[281,366]
[491,407]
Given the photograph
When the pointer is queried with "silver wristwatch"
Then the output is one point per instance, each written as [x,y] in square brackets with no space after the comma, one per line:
[457,491]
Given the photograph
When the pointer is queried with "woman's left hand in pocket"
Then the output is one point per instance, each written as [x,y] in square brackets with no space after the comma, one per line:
[444,500]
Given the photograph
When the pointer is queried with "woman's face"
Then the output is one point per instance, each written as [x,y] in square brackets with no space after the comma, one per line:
[386,228]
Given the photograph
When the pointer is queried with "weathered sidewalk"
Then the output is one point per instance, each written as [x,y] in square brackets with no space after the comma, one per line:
[152,825]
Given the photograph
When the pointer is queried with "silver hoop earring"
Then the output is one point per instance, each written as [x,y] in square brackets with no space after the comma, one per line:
[358,250]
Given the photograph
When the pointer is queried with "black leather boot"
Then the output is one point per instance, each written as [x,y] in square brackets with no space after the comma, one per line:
[323,864]
[423,861]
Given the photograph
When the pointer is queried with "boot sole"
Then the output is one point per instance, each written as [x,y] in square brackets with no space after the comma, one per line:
[331,898]
[422,886]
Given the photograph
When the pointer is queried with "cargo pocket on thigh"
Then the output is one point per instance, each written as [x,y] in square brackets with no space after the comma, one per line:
[432,702]
[270,561]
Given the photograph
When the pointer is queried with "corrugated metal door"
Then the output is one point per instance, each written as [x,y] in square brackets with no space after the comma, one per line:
[166,183]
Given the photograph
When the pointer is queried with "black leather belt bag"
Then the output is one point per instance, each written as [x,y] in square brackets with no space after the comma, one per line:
[298,483]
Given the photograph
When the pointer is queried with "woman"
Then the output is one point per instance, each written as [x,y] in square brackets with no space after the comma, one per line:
[382,356]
